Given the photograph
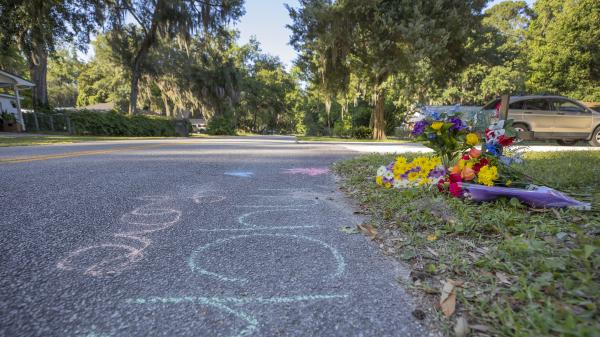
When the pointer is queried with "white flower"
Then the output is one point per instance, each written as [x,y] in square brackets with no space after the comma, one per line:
[388,175]
[381,171]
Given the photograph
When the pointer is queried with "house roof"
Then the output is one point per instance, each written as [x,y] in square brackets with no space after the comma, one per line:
[9,96]
[8,80]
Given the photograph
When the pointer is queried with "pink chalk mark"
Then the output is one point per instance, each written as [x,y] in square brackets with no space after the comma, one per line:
[311,171]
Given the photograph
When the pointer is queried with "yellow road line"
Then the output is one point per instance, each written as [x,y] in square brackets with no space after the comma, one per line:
[75,154]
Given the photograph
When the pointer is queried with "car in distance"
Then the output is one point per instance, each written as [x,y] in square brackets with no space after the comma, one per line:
[551,118]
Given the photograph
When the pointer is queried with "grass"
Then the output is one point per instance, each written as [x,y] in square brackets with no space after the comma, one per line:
[527,272]
[338,139]
[58,139]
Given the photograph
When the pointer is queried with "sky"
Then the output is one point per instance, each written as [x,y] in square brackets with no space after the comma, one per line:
[266,20]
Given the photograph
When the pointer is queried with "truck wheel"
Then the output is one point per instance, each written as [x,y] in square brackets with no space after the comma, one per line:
[595,141]
[566,142]
[520,127]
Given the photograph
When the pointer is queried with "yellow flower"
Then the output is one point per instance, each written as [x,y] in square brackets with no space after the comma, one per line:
[379,180]
[487,175]
[432,237]
[508,182]
[437,125]
[413,176]
[472,139]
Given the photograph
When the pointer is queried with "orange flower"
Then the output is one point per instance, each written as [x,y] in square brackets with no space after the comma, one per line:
[467,173]
[474,153]
[455,170]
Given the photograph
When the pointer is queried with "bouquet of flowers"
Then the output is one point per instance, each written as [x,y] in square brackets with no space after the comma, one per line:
[445,132]
[400,173]
[468,164]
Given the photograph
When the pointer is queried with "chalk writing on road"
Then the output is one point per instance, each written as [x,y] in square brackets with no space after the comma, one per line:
[310,171]
[241,174]
[230,305]
[201,251]
[126,246]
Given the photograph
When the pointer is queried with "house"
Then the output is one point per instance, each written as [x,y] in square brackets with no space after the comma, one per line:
[12,103]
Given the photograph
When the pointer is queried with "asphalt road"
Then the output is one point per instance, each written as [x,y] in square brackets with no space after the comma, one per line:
[205,237]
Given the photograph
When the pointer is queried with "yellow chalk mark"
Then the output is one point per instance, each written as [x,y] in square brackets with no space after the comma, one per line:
[16,160]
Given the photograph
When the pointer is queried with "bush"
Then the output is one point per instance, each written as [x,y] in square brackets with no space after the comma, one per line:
[112,123]
[342,128]
[220,125]
[361,132]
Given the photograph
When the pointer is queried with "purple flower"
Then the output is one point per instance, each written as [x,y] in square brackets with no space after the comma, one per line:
[457,124]
[437,172]
[419,127]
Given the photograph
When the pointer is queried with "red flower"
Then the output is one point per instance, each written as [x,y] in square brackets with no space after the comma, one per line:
[455,189]
[455,178]
[465,157]
[482,163]
[440,185]
[505,141]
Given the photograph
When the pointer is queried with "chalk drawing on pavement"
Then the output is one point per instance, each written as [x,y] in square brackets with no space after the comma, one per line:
[309,171]
[240,174]
[279,201]
[127,246]
[196,255]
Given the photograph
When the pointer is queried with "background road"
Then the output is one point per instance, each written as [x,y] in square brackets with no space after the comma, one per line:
[205,237]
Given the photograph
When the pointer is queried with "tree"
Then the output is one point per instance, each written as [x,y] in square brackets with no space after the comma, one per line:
[103,79]
[383,38]
[63,70]
[38,26]
[563,48]
[167,19]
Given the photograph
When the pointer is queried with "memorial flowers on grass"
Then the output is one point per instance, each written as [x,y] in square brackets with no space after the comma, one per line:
[468,164]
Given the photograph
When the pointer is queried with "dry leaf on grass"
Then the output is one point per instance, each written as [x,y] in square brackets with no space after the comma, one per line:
[448,298]
[461,328]
[503,278]
[369,230]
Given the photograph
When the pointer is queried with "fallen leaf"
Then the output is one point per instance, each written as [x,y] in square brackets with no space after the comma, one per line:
[432,237]
[349,230]
[461,328]
[503,278]
[369,230]
[448,298]
[433,252]
[556,214]
[480,327]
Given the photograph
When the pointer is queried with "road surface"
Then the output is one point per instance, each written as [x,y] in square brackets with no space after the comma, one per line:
[189,237]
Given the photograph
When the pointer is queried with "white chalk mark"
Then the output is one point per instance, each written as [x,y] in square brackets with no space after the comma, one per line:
[241,174]
[142,220]
[222,303]
[242,218]
[208,199]
[237,300]
[302,202]
[255,228]
[341,265]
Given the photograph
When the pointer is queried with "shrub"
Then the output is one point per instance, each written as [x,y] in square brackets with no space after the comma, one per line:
[220,125]
[342,128]
[361,132]
[112,123]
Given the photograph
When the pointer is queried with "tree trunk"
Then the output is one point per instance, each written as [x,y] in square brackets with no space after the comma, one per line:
[136,71]
[378,115]
[37,62]
[328,111]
